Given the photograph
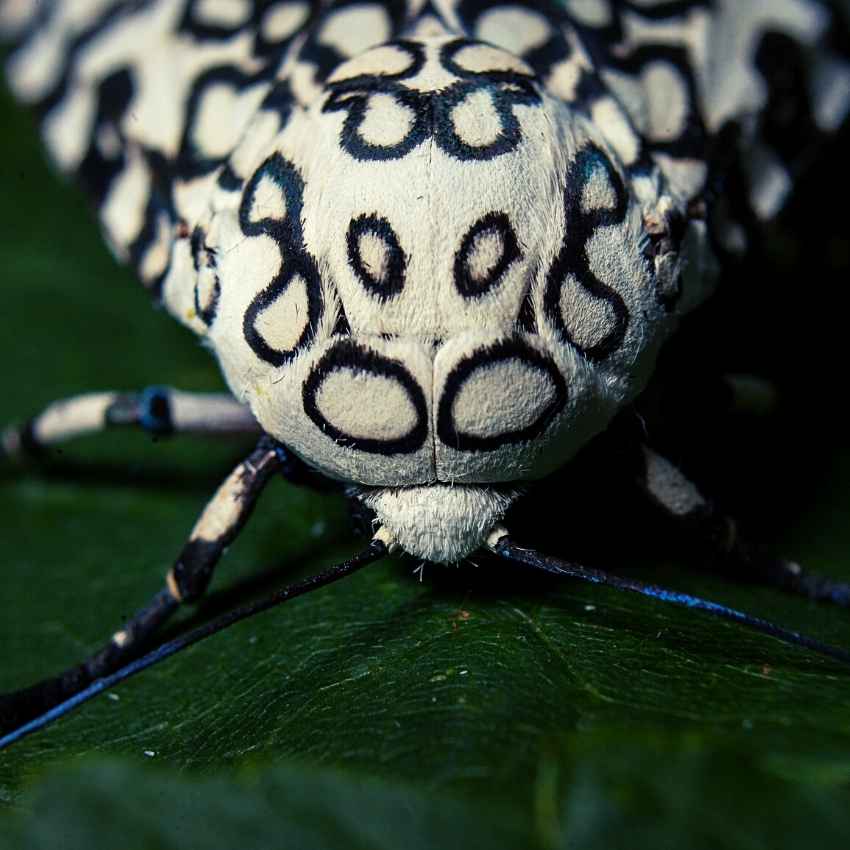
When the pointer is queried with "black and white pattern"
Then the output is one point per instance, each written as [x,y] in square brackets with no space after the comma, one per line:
[282,317]
[440,241]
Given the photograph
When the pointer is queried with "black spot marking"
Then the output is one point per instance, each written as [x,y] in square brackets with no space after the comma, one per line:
[228,179]
[387,281]
[493,225]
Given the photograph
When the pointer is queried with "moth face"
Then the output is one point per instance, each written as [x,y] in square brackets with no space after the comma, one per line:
[432,273]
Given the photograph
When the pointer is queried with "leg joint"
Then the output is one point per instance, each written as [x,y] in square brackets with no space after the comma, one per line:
[192,572]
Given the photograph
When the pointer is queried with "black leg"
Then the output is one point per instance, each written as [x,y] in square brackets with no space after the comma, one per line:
[681,501]
[218,525]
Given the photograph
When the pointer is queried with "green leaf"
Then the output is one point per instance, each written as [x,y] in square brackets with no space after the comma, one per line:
[477,707]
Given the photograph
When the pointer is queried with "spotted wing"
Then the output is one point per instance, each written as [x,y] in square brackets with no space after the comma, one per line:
[144,101]
[704,90]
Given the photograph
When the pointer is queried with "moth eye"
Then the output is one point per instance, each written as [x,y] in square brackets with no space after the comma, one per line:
[488,249]
[665,228]
[375,256]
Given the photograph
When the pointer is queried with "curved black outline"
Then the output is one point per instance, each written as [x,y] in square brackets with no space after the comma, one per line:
[191,161]
[207,314]
[511,349]
[198,246]
[504,99]
[507,89]
[352,97]
[380,227]
[348,354]
[295,260]
[414,49]
[497,222]
[572,258]
[286,176]
[294,265]
[354,101]
[432,110]
[449,51]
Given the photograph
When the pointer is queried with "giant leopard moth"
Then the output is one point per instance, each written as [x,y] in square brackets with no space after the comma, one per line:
[435,246]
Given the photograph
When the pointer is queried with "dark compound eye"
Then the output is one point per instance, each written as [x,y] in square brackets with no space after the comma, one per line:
[487,251]
[376,256]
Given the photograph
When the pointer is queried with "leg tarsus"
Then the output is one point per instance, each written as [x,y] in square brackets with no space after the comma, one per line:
[681,501]
[756,564]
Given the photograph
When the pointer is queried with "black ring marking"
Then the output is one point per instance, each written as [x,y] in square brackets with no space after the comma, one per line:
[191,160]
[432,110]
[572,258]
[392,282]
[352,97]
[295,260]
[449,51]
[512,349]
[155,411]
[347,354]
[284,174]
[414,49]
[294,265]
[496,223]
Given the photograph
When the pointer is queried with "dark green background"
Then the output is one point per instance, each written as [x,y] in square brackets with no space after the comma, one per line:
[476,708]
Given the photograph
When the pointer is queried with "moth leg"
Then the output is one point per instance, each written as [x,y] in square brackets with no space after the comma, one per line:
[680,499]
[218,525]
[157,410]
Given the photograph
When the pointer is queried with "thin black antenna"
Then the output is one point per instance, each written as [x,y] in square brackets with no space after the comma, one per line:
[374,552]
[509,550]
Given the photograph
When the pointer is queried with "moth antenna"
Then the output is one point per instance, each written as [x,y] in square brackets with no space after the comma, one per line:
[501,544]
[376,550]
